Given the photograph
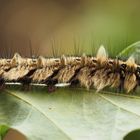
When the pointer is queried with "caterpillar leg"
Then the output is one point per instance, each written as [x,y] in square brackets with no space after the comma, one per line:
[2,87]
[74,82]
[2,84]
[135,88]
[25,83]
[26,87]
[51,84]
[51,88]
[121,86]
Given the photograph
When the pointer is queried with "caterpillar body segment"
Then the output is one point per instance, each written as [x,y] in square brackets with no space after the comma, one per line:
[90,72]
[131,80]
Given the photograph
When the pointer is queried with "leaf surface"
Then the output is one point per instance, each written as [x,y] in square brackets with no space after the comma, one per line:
[131,50]
[67,113]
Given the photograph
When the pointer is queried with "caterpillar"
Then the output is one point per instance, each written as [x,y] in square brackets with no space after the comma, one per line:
[96,72]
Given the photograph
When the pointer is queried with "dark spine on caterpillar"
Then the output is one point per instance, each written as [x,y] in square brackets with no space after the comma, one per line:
[91,72]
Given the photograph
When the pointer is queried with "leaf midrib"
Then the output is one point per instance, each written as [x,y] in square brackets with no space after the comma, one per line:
[39,110]
[115,104]
[98,94]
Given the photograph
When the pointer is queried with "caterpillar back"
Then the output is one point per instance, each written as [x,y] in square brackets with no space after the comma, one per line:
[96,72]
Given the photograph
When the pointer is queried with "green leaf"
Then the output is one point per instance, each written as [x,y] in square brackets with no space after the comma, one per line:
[3,131]
[134,135]
[133,49]
[69,113]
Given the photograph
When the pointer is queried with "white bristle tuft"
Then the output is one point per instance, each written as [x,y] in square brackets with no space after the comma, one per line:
[101,53]
[131,59]
[63,60]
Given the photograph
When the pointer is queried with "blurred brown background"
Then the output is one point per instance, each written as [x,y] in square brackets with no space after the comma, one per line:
[41,23]
[14,135]
[37,24]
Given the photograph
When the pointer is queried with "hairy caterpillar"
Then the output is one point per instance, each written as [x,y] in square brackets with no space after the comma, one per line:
[90,72]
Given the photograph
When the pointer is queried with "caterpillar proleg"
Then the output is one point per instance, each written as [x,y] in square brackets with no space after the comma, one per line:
[96,72]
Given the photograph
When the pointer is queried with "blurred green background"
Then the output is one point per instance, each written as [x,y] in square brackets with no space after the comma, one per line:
[67,26]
